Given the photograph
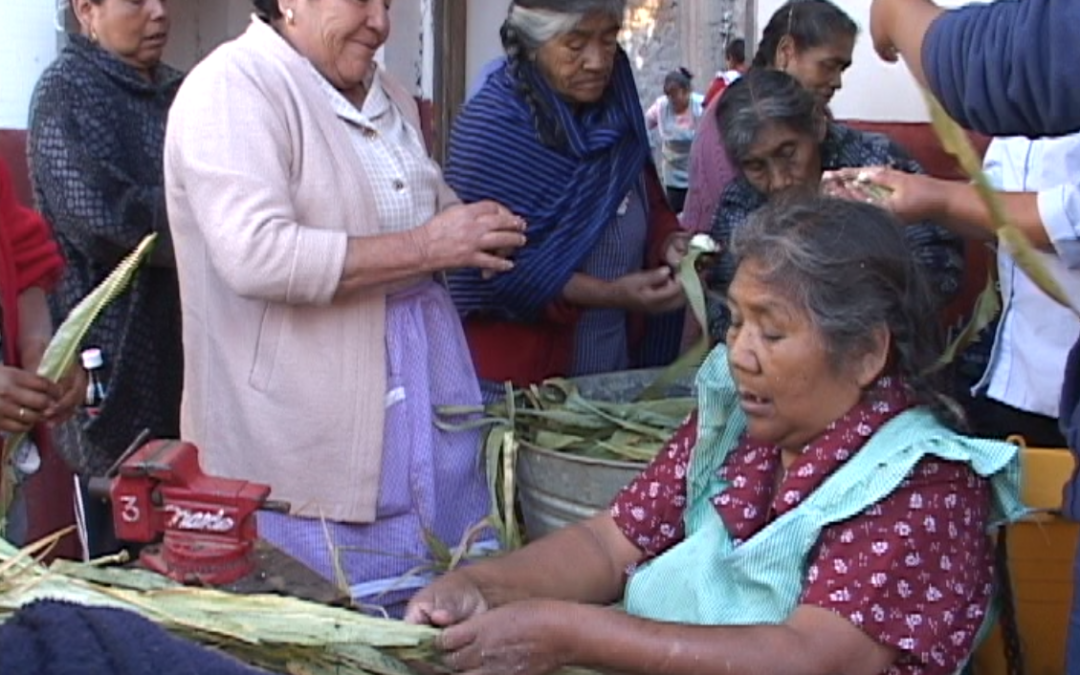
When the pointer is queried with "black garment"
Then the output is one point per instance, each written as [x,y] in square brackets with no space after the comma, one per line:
[676,198]
[96,143]
[994,419]
[59,638]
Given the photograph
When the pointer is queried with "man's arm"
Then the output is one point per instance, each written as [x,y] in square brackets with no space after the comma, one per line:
[1002,68]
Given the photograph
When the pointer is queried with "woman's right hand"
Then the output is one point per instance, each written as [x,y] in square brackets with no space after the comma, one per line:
[25,398]
[649,292]
[481,235]
[449,600]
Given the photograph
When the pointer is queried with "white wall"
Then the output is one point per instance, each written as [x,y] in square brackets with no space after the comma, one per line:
[28,35]
[484,44]
[873,90]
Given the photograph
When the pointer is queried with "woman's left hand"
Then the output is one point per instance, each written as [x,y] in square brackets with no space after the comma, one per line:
[676,247]
[72,394]
[523,638]
[69,391]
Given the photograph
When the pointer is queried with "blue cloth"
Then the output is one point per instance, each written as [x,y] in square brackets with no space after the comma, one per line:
[939,252]
[569,195]
[489,69]
[59,638]
[1004,68]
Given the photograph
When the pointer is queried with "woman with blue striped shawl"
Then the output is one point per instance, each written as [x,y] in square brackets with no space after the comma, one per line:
[557,135]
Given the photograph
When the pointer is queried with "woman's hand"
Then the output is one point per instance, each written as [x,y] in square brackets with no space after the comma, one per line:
[481,235]
[72,393]
[676,248]
[25,399]
[650,292]
[911,197]
[524,638]
[449,600]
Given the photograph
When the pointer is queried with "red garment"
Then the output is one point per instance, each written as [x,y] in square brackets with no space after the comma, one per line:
[527,353]
[915,571]
[29,257]
[715,89]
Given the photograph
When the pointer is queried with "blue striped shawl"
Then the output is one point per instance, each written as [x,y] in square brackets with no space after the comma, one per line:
[568,196]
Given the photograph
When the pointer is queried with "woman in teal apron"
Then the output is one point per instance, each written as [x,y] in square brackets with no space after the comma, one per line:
[675,117]
[820,513]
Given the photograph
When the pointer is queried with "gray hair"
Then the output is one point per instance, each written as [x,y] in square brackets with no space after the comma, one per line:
[761,97]
[849,267]
[536,22]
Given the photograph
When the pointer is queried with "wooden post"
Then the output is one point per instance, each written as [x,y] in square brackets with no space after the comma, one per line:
[451,28]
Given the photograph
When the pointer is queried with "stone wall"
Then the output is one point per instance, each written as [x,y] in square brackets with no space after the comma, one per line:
[662,35]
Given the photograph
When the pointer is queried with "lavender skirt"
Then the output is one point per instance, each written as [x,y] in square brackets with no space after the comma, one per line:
[432,481]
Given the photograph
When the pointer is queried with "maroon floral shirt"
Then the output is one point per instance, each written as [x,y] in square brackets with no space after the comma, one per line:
[914,571]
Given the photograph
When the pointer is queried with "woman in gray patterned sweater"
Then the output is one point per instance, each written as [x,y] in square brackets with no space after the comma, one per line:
[97,128]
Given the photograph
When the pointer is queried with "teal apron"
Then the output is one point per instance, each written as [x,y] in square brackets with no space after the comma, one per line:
[707,580]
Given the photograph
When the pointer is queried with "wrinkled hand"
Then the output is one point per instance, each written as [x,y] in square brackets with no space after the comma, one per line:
[676,248]
[481,235]
[650,292]
[911,197]
[25,399]
[522,638]
[447,601]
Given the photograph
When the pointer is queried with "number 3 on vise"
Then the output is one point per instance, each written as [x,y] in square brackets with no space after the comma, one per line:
[129,510]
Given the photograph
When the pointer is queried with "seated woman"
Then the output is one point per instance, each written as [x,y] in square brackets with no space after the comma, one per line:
[558,136]
[779,139]
[819,514]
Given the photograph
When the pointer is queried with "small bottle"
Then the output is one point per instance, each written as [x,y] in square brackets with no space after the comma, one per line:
[92,363]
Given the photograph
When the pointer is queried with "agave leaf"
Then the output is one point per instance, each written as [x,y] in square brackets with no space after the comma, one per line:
[987,306]
[956,142]
[60,354]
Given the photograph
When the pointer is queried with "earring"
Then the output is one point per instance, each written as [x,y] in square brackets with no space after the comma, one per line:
[290,17]
[93,36]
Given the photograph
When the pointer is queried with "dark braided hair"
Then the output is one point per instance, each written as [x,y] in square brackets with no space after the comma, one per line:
[848,265]
[521,48]
[809,23]
[267,10]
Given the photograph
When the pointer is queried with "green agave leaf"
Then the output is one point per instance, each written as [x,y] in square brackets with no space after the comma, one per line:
[61,353]
[956,142]
[987,306]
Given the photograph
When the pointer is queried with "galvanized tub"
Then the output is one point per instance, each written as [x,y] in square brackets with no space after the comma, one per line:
[556,488]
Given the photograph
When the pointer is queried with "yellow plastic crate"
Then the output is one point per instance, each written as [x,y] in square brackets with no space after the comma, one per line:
[1041,564]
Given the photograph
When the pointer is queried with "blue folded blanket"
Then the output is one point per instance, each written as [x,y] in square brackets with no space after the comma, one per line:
[60,638]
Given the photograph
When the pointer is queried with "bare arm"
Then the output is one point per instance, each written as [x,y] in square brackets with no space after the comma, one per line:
[898,28]
[585,562]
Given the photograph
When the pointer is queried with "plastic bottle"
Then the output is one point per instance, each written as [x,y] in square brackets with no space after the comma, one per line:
[92,362]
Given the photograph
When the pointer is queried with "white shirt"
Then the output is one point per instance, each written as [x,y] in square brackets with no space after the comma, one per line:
[404,179]
[1027,364]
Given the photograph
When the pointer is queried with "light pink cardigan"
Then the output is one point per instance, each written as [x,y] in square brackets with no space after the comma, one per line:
[283,383]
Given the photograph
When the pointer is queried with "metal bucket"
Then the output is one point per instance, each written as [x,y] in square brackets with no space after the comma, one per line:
[557,488]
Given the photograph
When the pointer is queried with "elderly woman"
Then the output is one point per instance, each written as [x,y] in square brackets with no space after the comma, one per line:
[557,134]
[779,139]
[675,117]
[97,129]
[30,265]
[309,224]
[817,515]
[811,40]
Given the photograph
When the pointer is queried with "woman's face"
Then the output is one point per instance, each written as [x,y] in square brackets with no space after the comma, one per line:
[339,37]
[579,64]
[819,69]
[134,30]
[789,387]
[781,158]
[679,97]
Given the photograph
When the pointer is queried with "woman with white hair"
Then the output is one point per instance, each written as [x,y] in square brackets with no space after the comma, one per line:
[557,135]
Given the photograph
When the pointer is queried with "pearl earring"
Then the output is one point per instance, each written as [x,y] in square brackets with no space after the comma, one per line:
[290,17]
